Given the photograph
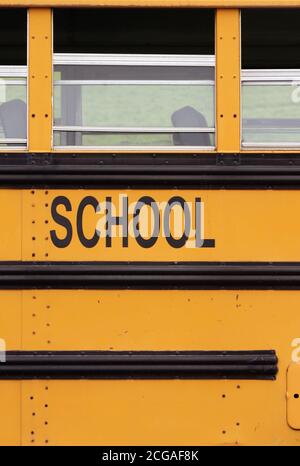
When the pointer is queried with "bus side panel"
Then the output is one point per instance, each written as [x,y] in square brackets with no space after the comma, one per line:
[186,412]
[11,224]
[243,218]
[10,390]
[11,411]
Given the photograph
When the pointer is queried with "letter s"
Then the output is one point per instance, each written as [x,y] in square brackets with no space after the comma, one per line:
[61,220]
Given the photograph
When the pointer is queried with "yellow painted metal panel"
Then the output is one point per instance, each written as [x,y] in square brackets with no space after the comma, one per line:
[160,412]
[246,226]
[156,3]
[293,395]
[40,79]
[11,319]
[228,80]
[10,409]
[161,320]
[34,413]
[153,412]
[11,224]
[164,413]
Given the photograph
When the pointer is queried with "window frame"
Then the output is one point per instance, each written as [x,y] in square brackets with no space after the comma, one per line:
[136,60]
[18,71]
[269,77]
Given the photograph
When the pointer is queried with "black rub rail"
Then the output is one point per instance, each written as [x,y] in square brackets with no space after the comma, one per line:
[210,170]
[155,275]
[140,365]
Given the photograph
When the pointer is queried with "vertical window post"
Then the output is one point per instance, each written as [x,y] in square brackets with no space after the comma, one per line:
[40,79]
[228,79]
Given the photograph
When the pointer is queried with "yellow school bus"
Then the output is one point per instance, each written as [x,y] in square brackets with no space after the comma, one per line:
[150,231]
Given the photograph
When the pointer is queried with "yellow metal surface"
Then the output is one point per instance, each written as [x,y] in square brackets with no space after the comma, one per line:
[293,395]
[156,3]
[10,408]
[154,412]
[246,226]
[159,413]
[10,231]
[40,79]
[11,319]
[228,80]
[10,391]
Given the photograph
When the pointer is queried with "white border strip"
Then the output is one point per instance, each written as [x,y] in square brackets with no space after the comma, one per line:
[270,75]
[138,82]
[125,130]
[133,59]
[13,71]
[135,148]
[271,145]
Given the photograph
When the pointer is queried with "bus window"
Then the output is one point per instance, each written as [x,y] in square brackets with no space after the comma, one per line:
[271,78]
[134,78]
[13,79]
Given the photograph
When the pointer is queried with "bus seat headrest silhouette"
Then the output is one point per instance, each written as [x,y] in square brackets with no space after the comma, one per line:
[189,117]
[13,118]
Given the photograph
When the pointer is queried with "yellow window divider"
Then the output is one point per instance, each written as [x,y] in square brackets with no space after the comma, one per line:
[228,80]
[40,79]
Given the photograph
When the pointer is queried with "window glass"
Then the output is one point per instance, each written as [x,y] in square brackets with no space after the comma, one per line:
[134,99]
[271,78]
[13,79]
